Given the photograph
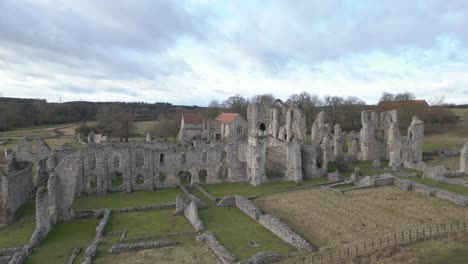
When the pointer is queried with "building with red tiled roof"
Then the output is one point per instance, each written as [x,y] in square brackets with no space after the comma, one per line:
[229,126]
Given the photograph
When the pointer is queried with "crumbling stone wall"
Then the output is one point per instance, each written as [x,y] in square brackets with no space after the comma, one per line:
[269,126]
[248,207]
[16,187]
[464,158]
[191,213]
[412,151]
[25,152]
[285,232]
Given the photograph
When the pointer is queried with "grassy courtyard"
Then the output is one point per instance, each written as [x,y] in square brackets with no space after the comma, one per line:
[234,230]
[20,230]
[147,223]
[245,189]
[120,200]
[63,237]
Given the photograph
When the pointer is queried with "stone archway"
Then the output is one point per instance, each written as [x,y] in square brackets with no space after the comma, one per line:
[276,157]
[202,175]
[185,177]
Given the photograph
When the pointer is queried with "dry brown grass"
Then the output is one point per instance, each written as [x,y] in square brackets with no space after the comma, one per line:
[333,221]
[183,254]
[452,163]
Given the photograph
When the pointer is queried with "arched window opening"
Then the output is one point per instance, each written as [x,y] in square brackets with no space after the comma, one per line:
[183,158]
[239,130]
[161,158]
[140,179]
[116,161]
[204,156]
[262,127]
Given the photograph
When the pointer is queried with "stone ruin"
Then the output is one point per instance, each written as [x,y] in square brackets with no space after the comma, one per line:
[275,150]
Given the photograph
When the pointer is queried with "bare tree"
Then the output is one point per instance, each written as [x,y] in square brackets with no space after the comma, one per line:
[406,96]
[115,120]
[264,98]
[236,104]
[386,97]
[212,111]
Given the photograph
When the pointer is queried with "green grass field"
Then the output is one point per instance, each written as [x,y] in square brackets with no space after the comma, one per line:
[124,200]
[148,223]
[441,251]
[20,230]
[245,189]
[234,230]
[63,237]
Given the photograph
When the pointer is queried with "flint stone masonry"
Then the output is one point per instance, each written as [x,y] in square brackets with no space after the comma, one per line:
[248,207]
[376,181]
[25,151]
[91,251]
[181,203]
[464,158]
[200,203]
[122,248]
[412,150]
[16,187]
[285,232]
[456,198]
[227,201]
[436,172]
[221,252]
[191,213]
[146,208]
[273,128]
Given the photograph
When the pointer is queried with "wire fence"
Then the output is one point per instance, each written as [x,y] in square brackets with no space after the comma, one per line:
[397,239]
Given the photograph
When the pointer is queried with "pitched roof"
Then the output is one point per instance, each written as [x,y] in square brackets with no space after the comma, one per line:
[226,118]
[192,118]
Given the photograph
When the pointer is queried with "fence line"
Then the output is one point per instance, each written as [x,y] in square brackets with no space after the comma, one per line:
[397,239]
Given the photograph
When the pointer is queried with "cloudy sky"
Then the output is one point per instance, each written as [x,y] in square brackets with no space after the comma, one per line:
[190,52]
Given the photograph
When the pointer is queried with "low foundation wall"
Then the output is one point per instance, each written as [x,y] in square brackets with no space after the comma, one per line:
[285,232]
[248,207]
[191,213]
[122,248]
[221,252]
[90,253]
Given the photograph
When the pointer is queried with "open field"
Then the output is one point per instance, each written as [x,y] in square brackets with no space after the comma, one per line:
[234,230]
[445,138]
[119,200]
[148,223]
[189,251]
[453,163]
[63,237]
[19,232]
[337,220]
[245,189]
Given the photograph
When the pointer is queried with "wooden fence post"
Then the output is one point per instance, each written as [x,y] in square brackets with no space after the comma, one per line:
[410,235]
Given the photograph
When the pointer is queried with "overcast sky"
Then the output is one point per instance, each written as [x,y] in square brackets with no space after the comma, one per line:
[190,52]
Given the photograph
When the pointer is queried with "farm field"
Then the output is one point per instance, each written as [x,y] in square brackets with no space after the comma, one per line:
[445,138]
[334,220]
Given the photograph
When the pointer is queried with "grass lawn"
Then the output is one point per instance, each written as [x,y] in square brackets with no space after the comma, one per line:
[444,186]
[63,237]
[366,168]
[234,230]
[245,189]
[124,200]
[143,127]
[148,223]
[189,251]
[19,232]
